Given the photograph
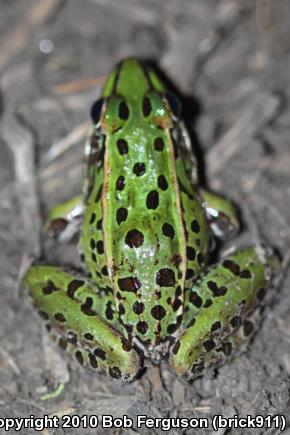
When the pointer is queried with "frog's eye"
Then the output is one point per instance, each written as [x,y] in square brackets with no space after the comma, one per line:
[96,110]
[174,104]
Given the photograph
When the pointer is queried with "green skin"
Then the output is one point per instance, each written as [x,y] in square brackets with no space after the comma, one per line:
[146,290]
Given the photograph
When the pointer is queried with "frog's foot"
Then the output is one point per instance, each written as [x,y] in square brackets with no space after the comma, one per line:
[221,215]
[82,319]
[64,220]
[217,309]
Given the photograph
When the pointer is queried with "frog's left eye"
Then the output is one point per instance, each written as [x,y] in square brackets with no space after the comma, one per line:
[96,110]
[174,104]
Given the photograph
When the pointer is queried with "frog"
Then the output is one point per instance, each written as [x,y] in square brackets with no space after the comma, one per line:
[147,290]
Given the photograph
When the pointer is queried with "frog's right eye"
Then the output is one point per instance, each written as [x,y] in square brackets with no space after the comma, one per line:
[174,104]
[96,110]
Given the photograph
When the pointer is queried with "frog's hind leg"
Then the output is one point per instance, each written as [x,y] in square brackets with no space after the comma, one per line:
[64,220]
[84,320]
[218,310]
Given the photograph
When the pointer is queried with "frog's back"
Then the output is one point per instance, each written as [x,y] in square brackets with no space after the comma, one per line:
[143,228]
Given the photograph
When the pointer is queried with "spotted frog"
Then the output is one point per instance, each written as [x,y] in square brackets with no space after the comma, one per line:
[147,289]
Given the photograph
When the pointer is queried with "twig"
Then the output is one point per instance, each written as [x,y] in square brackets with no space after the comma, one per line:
[73,138]
[78,85]
[20,142]
[259,112]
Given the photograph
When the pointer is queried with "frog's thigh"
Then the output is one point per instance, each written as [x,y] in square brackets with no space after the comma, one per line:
[221,214]
[69,306]
[64,219]
[215,308]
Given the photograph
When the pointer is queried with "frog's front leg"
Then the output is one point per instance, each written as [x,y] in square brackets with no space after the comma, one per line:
[221,215]
[84,319]
[217,307]
[64,219]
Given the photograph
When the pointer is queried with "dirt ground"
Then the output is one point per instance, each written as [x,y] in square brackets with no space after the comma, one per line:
[230,62]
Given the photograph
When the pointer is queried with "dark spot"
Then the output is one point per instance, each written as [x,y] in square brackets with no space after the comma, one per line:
[152,200]
[168,230]
[100,246]
[88,336]
[121,309]
[60,317]
[93,361]
[158,144]
[172,328]
[217,291]
[209,345]
[57,226]
[92,243]
[93,257]
[189,274]
[126,346]
[99,193]
[109,313]
[129,284]
[216,326]
[104,271]
[92,218]
[197,368]
[142,327]
[146,106]
[176,347]
[134,238]
[207,303]
[178,291]
[50,288]
[62,343]
[157,332]
[138,307]
[99,224]
[200,259]
[115,372]
[242,303]
[236,321]
[162,182]
[232,266]
[121,215]
[123,111]
[245,274]
[72,337]
[139,169]
[158,312]
[176,260]
[176,304]
[165,278]
[122,146]
[261,293]
[190,253]
[227,348]
[129,328]
[157,294]
[191,323]
[100,353]
[195,226]
[86,308]
[195,299]
[120,183]
[79,357]
[48,327]
[248,327]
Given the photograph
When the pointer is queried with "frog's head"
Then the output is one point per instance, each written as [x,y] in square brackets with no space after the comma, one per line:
[134,88]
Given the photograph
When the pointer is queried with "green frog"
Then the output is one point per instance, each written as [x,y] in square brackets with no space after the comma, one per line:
[147,289]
